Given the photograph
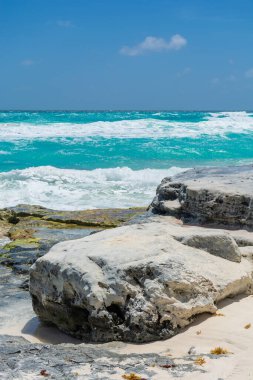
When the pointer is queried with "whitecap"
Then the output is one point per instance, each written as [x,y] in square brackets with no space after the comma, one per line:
[68,189]
[216,124]
[3,152]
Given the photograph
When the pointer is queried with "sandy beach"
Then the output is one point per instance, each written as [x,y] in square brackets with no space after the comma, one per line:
[226,330]
[126,190]
[207,332]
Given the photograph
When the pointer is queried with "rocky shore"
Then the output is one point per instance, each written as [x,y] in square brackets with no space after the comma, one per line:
[33,230]
[144,280]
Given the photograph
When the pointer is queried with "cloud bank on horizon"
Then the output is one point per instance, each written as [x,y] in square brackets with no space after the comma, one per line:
[155,44]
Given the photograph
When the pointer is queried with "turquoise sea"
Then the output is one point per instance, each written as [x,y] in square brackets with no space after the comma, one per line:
[77,160]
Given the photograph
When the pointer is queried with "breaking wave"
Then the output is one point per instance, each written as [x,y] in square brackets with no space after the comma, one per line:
[220,124]
[68,189]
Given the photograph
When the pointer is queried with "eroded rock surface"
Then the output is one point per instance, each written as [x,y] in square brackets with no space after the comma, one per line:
[33,230]
[21,360]
[136,283]
[26,233]
[145,281]
[220,195]
[216,242]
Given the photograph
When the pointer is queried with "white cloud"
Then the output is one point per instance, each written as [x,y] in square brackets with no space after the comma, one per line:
[249,73]
[64,23]
[155,44]
[27,62]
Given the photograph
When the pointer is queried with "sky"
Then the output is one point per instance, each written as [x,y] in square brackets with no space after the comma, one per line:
[126,54]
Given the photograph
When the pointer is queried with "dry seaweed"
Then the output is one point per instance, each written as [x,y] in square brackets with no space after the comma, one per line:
[132,376]
[219,351]
[168,365]
[200,361]
[44,373]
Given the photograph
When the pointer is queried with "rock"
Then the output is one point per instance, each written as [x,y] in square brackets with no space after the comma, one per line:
[7,215]
[93,218]
[242,240]
[34,230]
[217,195]
[20,359]
[4,228]
[247,252]
[174,207]
[217,243]
[135,283]
[192,350]
[25,284]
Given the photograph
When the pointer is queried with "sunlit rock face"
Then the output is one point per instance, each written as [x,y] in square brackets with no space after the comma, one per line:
[147,280]
[219,195]
[135,283]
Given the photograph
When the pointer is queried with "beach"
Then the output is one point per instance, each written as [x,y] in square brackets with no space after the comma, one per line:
[126,190]
[70,194]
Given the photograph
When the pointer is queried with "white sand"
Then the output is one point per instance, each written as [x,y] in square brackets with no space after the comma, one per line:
[225,331]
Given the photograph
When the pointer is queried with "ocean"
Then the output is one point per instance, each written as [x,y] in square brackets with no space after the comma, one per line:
[84,160]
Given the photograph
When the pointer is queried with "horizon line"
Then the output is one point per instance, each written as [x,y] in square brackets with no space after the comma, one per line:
[121,110]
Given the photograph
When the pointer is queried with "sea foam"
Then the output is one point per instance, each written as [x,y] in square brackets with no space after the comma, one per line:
[220,124]
[68,189]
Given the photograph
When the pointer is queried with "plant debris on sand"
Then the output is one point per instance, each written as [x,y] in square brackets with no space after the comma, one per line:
[219,351]
[200,361]
[132,376]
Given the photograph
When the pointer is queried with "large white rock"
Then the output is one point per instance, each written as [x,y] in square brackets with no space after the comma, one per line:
[136,283]
[215,194]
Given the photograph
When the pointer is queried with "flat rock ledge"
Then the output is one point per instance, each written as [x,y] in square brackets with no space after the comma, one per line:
[33,230]
[217,195]
[145,281]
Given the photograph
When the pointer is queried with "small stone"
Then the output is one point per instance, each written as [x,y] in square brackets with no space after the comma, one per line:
[192,350]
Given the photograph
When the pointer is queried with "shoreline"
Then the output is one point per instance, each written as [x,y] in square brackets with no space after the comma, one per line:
[25,229]
[206,332]
[36,229]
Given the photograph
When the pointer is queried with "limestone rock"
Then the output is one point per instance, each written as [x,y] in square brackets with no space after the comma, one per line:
[247,252]
[219,195]
[215,242]
[93,218]
[134,283]
[147,280]
[33,230]
[21,360]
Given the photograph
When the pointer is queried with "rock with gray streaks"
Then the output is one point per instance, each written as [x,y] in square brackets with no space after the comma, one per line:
[145,281]
[135,283]
[216,242]
[22,360]
[216,194]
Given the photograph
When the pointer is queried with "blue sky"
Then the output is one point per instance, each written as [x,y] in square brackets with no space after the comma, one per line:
[126,54]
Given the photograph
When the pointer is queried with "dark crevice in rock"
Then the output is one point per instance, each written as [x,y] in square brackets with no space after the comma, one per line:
[115,310]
